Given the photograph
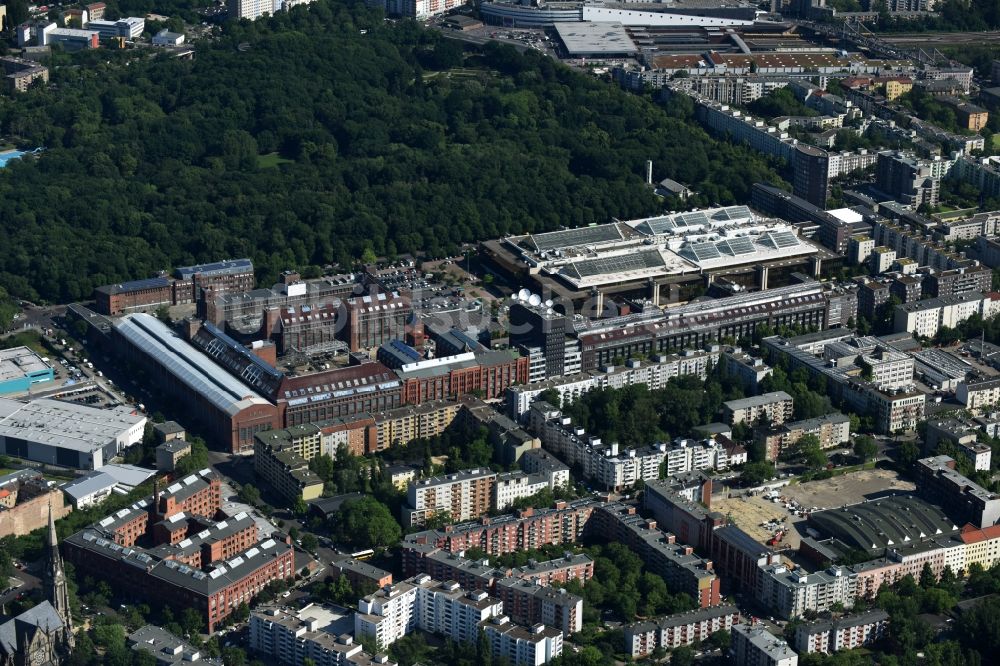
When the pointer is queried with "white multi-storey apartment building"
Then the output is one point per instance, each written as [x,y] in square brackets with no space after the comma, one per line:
[673,631]
[523,646]
[606,464]
[512,486]
[925,317]
[790,593]
[687,455]
[540,461]
[977,394]
[250,9]
[425,604]
[293,635]
[755,646]
[845,633]
[654,373]
[388,614]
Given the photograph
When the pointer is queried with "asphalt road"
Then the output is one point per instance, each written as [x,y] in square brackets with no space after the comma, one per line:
[25,583]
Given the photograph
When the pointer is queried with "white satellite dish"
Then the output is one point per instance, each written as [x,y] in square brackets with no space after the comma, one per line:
[535,300]
[548,304]
[513,297]
[524,294]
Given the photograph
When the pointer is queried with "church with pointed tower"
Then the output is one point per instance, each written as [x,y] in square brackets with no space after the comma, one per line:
[42,635]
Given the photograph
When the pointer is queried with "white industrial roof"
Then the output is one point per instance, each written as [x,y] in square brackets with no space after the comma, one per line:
[18,362]
[64,424]
[585,38]
[189,365]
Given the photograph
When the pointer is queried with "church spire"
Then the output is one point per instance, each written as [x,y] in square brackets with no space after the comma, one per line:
[56,590]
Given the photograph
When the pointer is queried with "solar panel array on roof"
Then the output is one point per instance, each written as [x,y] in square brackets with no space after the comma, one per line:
[736,246]
[693,219]
[136,285]
[701,251]
[555,240]
[780,239]
[611,265]
[405,349]
[228,266]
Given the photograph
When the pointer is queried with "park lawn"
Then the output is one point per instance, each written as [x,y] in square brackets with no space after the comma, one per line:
[272,160]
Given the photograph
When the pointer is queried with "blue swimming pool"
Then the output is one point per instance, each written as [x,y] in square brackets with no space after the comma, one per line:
[8,155]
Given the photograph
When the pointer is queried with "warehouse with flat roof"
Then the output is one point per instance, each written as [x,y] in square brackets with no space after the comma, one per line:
[20,368]
[65,433]
[595,40]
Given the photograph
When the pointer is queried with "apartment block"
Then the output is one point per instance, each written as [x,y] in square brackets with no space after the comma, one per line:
[909,179]
[464,495]
[214,591]
[608,465]
[925,318]
[748,371]
[845,633]
[684,509]
[523,646]
[789,593]
[969,116]
[360,573]
[776,406]
[682,570]
[832,430]
[687,455]
[496,535]
[958,281]
[400,426]
[540,461]
[938,482]
[20,74]
[654,373]
[529,603]
[673,631]
[741,558]
[979,393]
[860,248]
[512,486]
[470,573]
[755,646]
[290,636]
[277,462]
[421,603]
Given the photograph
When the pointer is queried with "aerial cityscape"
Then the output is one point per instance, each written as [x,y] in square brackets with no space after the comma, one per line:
[500,333]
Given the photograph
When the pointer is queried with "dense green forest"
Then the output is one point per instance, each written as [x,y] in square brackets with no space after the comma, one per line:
[307,138]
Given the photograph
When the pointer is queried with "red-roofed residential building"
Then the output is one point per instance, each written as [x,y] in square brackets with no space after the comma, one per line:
[982,546]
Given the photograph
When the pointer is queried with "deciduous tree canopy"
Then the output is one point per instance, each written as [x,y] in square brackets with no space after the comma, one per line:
[306,138]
